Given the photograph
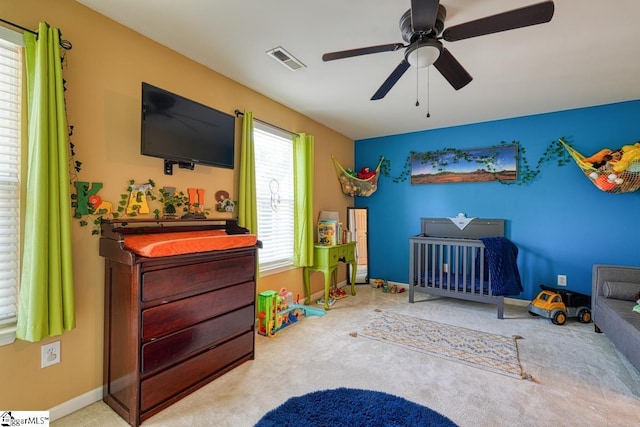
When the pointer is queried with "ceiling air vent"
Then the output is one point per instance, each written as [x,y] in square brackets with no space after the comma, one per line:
[285,58]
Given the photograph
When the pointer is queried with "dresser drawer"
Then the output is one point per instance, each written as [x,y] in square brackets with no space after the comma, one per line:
[192,278]
[326,256]
[171,317]
[349,252]
[196,371]
[342,251]
[329,256]
[174,347]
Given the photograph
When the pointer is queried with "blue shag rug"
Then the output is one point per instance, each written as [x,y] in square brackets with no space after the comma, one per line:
[352,408]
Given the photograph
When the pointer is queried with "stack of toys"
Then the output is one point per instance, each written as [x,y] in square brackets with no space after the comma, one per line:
[276,311]
[386,287]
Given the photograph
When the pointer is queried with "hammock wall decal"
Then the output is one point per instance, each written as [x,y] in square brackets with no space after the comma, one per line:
[354,186]
[613,171]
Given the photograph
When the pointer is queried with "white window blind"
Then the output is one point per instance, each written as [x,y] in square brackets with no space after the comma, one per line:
[10,101]
[274,188]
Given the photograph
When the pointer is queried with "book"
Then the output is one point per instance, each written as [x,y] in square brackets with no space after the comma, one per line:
[327,232]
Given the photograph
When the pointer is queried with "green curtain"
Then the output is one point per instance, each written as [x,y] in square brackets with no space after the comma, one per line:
[247,204]
[303,200]
[46,302]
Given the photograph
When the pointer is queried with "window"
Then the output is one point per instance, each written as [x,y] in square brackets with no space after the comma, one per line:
[10,102]
[274,194]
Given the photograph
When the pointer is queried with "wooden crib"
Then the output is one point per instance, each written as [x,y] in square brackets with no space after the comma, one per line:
[451,262]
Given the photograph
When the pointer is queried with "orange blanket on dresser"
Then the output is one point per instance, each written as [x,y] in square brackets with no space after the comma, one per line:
[167,244]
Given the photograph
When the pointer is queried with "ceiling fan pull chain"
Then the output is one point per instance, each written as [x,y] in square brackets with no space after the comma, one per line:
[417,86]
[428,87]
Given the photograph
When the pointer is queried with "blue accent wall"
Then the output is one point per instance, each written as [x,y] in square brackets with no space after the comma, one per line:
[561,222]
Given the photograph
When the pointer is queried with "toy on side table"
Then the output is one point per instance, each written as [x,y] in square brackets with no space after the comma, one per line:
[276,311]
[558,304]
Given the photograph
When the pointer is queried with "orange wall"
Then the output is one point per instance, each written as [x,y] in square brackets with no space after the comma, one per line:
[104,72]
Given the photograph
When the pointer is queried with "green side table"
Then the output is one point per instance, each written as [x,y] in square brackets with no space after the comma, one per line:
[325,260]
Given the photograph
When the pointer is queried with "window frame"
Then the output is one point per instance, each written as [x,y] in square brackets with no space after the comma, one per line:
[269,266]
[8,324]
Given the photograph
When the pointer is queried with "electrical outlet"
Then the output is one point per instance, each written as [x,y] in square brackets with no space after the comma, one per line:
[562,280]
[50,354]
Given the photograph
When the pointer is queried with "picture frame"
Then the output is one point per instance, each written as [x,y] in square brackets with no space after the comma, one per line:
[486,164]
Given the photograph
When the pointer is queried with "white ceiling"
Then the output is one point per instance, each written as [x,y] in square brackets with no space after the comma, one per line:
[589,54]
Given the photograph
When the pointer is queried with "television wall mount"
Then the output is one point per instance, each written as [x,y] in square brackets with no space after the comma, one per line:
[168,166]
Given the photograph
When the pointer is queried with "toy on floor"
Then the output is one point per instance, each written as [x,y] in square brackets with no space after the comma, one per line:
[377,283]
[276,310]
[558,304]
[337,293]
[330,303]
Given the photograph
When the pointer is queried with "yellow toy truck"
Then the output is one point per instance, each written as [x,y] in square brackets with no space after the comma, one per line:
[558,304]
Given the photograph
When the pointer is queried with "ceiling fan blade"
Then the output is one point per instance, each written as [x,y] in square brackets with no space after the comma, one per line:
[423,15]
[452,70]
[391,80]
[523,17]
[361,51]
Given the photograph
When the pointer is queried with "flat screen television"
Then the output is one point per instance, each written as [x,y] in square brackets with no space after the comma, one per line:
[183,131]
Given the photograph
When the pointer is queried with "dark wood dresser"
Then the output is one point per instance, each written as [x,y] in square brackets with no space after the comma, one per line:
[172,323]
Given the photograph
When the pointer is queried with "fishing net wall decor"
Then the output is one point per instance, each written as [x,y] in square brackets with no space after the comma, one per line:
[613,171]
[352,185]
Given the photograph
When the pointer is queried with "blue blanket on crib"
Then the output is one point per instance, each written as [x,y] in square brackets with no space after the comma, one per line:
[500,256]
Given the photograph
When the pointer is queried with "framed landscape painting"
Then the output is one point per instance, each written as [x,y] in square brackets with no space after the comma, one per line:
[499,163]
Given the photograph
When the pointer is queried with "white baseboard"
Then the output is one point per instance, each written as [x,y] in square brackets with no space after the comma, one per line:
[75,404]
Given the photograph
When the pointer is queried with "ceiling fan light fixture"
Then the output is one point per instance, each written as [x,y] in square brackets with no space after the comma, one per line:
[421,27]
[423,53]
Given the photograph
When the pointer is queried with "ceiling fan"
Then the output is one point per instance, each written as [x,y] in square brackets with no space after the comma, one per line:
[422,26]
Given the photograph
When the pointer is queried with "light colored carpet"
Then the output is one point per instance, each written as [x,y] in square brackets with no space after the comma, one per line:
[482,350]
[581,379]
